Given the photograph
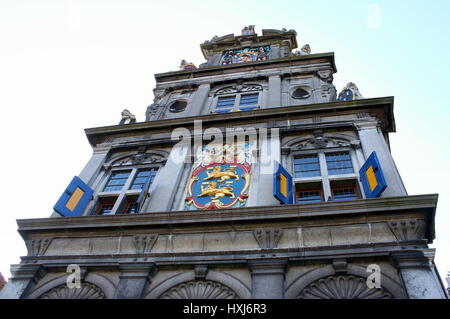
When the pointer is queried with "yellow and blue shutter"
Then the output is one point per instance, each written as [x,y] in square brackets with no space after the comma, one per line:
[372,177]
[282,185]
[74,199]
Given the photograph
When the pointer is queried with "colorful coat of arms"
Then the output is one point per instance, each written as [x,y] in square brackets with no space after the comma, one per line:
[220,178]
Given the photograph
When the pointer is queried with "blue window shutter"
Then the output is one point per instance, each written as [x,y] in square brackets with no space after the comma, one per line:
[372,177]
[282,185]
[74,199]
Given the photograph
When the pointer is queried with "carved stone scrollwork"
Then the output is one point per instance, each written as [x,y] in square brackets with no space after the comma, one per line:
[144,243]
[342,287]
[37,247]
[87,291]
[268,238]
[199,290]
[411,229]
[142,158]
[240,88]
[320,142]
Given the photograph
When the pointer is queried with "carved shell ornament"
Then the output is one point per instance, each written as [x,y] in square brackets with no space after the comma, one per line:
[342,287]
[199,290]
[87,291]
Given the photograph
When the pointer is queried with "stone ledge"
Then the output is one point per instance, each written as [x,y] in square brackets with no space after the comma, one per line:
[366,208]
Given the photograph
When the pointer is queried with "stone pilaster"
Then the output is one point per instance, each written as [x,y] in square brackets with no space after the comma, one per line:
[133,280]
[268,278]
[24,277]
[198,106]
[418,273]
[372,140]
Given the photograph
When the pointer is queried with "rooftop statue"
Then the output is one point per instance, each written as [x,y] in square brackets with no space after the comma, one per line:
[127,117]
[305,50]
[187,65]
[350,92]
[249,30]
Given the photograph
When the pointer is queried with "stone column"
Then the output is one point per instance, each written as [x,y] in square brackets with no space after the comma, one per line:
[133,280]
[417,271]
[268,278]
[166,181]
[274,94]
[24,277]
[371,141]
[198,106]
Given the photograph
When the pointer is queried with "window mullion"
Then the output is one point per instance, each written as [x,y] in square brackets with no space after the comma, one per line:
[325,180]
[237,101]
[130,179]
[118,203]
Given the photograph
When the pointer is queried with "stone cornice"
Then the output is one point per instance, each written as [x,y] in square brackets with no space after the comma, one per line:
[285,62]
[272,114]
[332,212]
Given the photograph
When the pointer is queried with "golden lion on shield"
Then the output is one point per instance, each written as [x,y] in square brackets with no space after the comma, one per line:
[212,190]
[216,172]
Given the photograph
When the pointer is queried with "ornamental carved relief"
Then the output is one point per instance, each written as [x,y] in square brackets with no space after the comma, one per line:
[199,289]
[268,238]
[342,287]
[37,247]
[87,291]
[240,88]
[144,243]
[411,229]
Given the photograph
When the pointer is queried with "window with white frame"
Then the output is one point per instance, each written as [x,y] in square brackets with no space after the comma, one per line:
[325,175]
[241,97]
[122,188]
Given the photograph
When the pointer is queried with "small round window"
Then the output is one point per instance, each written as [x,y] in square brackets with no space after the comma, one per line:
[300,93]
[178,106]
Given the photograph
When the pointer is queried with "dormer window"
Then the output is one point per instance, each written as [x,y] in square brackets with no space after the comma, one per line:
[241,97]
[238,102]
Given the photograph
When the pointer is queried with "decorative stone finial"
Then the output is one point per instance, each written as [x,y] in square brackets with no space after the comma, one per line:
[127,117]
[350,92]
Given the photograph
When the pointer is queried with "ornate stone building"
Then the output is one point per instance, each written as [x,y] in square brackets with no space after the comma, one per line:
[305,200]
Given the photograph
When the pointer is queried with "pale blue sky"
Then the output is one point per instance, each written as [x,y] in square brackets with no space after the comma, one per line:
[69,65]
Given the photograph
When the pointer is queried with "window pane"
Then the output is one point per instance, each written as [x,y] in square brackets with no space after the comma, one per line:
[226,102]
[116,181]
[143,176]
[339,163]
[312,196]
[306,166]
[105,209]
[249,99]
[344,194]
[131,208]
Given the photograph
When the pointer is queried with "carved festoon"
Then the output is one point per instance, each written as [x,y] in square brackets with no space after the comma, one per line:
[144,243]
[268,238]
[37,247]
[411,229]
